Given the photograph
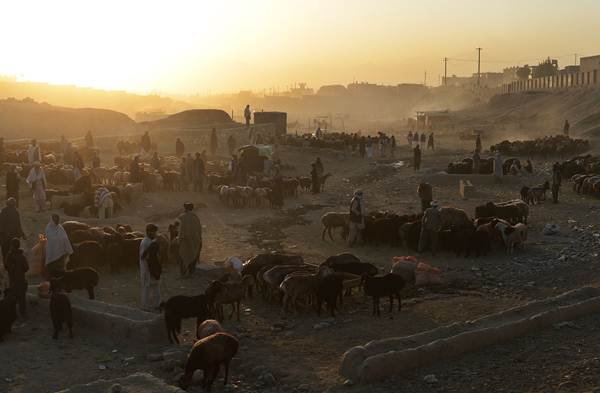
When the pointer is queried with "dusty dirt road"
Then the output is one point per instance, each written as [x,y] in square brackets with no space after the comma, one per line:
[301,352]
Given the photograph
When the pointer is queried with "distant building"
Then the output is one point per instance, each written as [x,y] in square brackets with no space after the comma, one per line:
[332,91]
[432,120]
[589,63]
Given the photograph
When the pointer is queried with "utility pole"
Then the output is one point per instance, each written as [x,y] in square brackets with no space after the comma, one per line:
[445,70]
[478,67]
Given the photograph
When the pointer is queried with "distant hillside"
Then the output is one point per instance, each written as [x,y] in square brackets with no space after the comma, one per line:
[190,119]
[29,119]
[82,97]
[542,112]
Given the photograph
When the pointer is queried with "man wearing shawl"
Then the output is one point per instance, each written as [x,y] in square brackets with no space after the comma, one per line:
[37,182]
[148,283]
[190,240]
[10,226]
[33,152]
[58,247]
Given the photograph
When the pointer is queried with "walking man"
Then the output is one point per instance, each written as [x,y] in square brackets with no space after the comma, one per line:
[190,240]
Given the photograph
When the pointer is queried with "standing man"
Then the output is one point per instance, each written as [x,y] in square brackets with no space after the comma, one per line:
[417,158]
[149,285]
[430,226]
[556,181]
[12,184]
[37,182]
[198,173]
[179,148]
[33,153]
[498,169]
[231,144]
[247,115]
[430,142]
[89,139]
[357,220]
[476,162]
[425,193]
[58,247]
[214,142]
[10,226]
[566,128]
[190,240]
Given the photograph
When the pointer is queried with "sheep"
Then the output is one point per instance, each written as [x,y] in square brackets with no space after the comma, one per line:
[180,307]
[332,220]
[60,309]
[219,294]
[208,355]
[388,285]
[8,313]
[274,276]
[513,235]
[538,193]
[329,289]
[296,285]
[80,278]
[87,253]
[208,328]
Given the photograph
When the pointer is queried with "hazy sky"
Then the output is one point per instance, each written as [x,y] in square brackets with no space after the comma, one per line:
[226,45]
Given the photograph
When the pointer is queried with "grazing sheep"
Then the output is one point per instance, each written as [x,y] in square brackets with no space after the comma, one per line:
[8,313]
[388,285]
[60,309]
[513,235]
[332,220]
[208,355]
[538,193]
[208,328]
[80,278]
[219,294]
[180,307]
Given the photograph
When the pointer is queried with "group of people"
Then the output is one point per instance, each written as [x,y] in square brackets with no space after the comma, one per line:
[414,138]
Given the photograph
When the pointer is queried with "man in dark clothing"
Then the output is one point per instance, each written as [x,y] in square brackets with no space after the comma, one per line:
[16,265]
[417,158]
[134,171]
[179,148]
[425,193]
[12,184]
[556,181]
[198,175]
[213,142]
[314,176]
[362,147]
[231,144]
[10,226]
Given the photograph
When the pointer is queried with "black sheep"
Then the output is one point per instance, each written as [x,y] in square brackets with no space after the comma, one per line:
[8,312]
[81,278]
[60,309]
[180,307]
[388,285]
[329,289]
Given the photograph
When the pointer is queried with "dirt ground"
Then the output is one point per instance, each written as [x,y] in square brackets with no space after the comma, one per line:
[301,351]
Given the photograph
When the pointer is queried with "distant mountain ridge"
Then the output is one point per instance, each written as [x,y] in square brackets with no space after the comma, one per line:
[29,119]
